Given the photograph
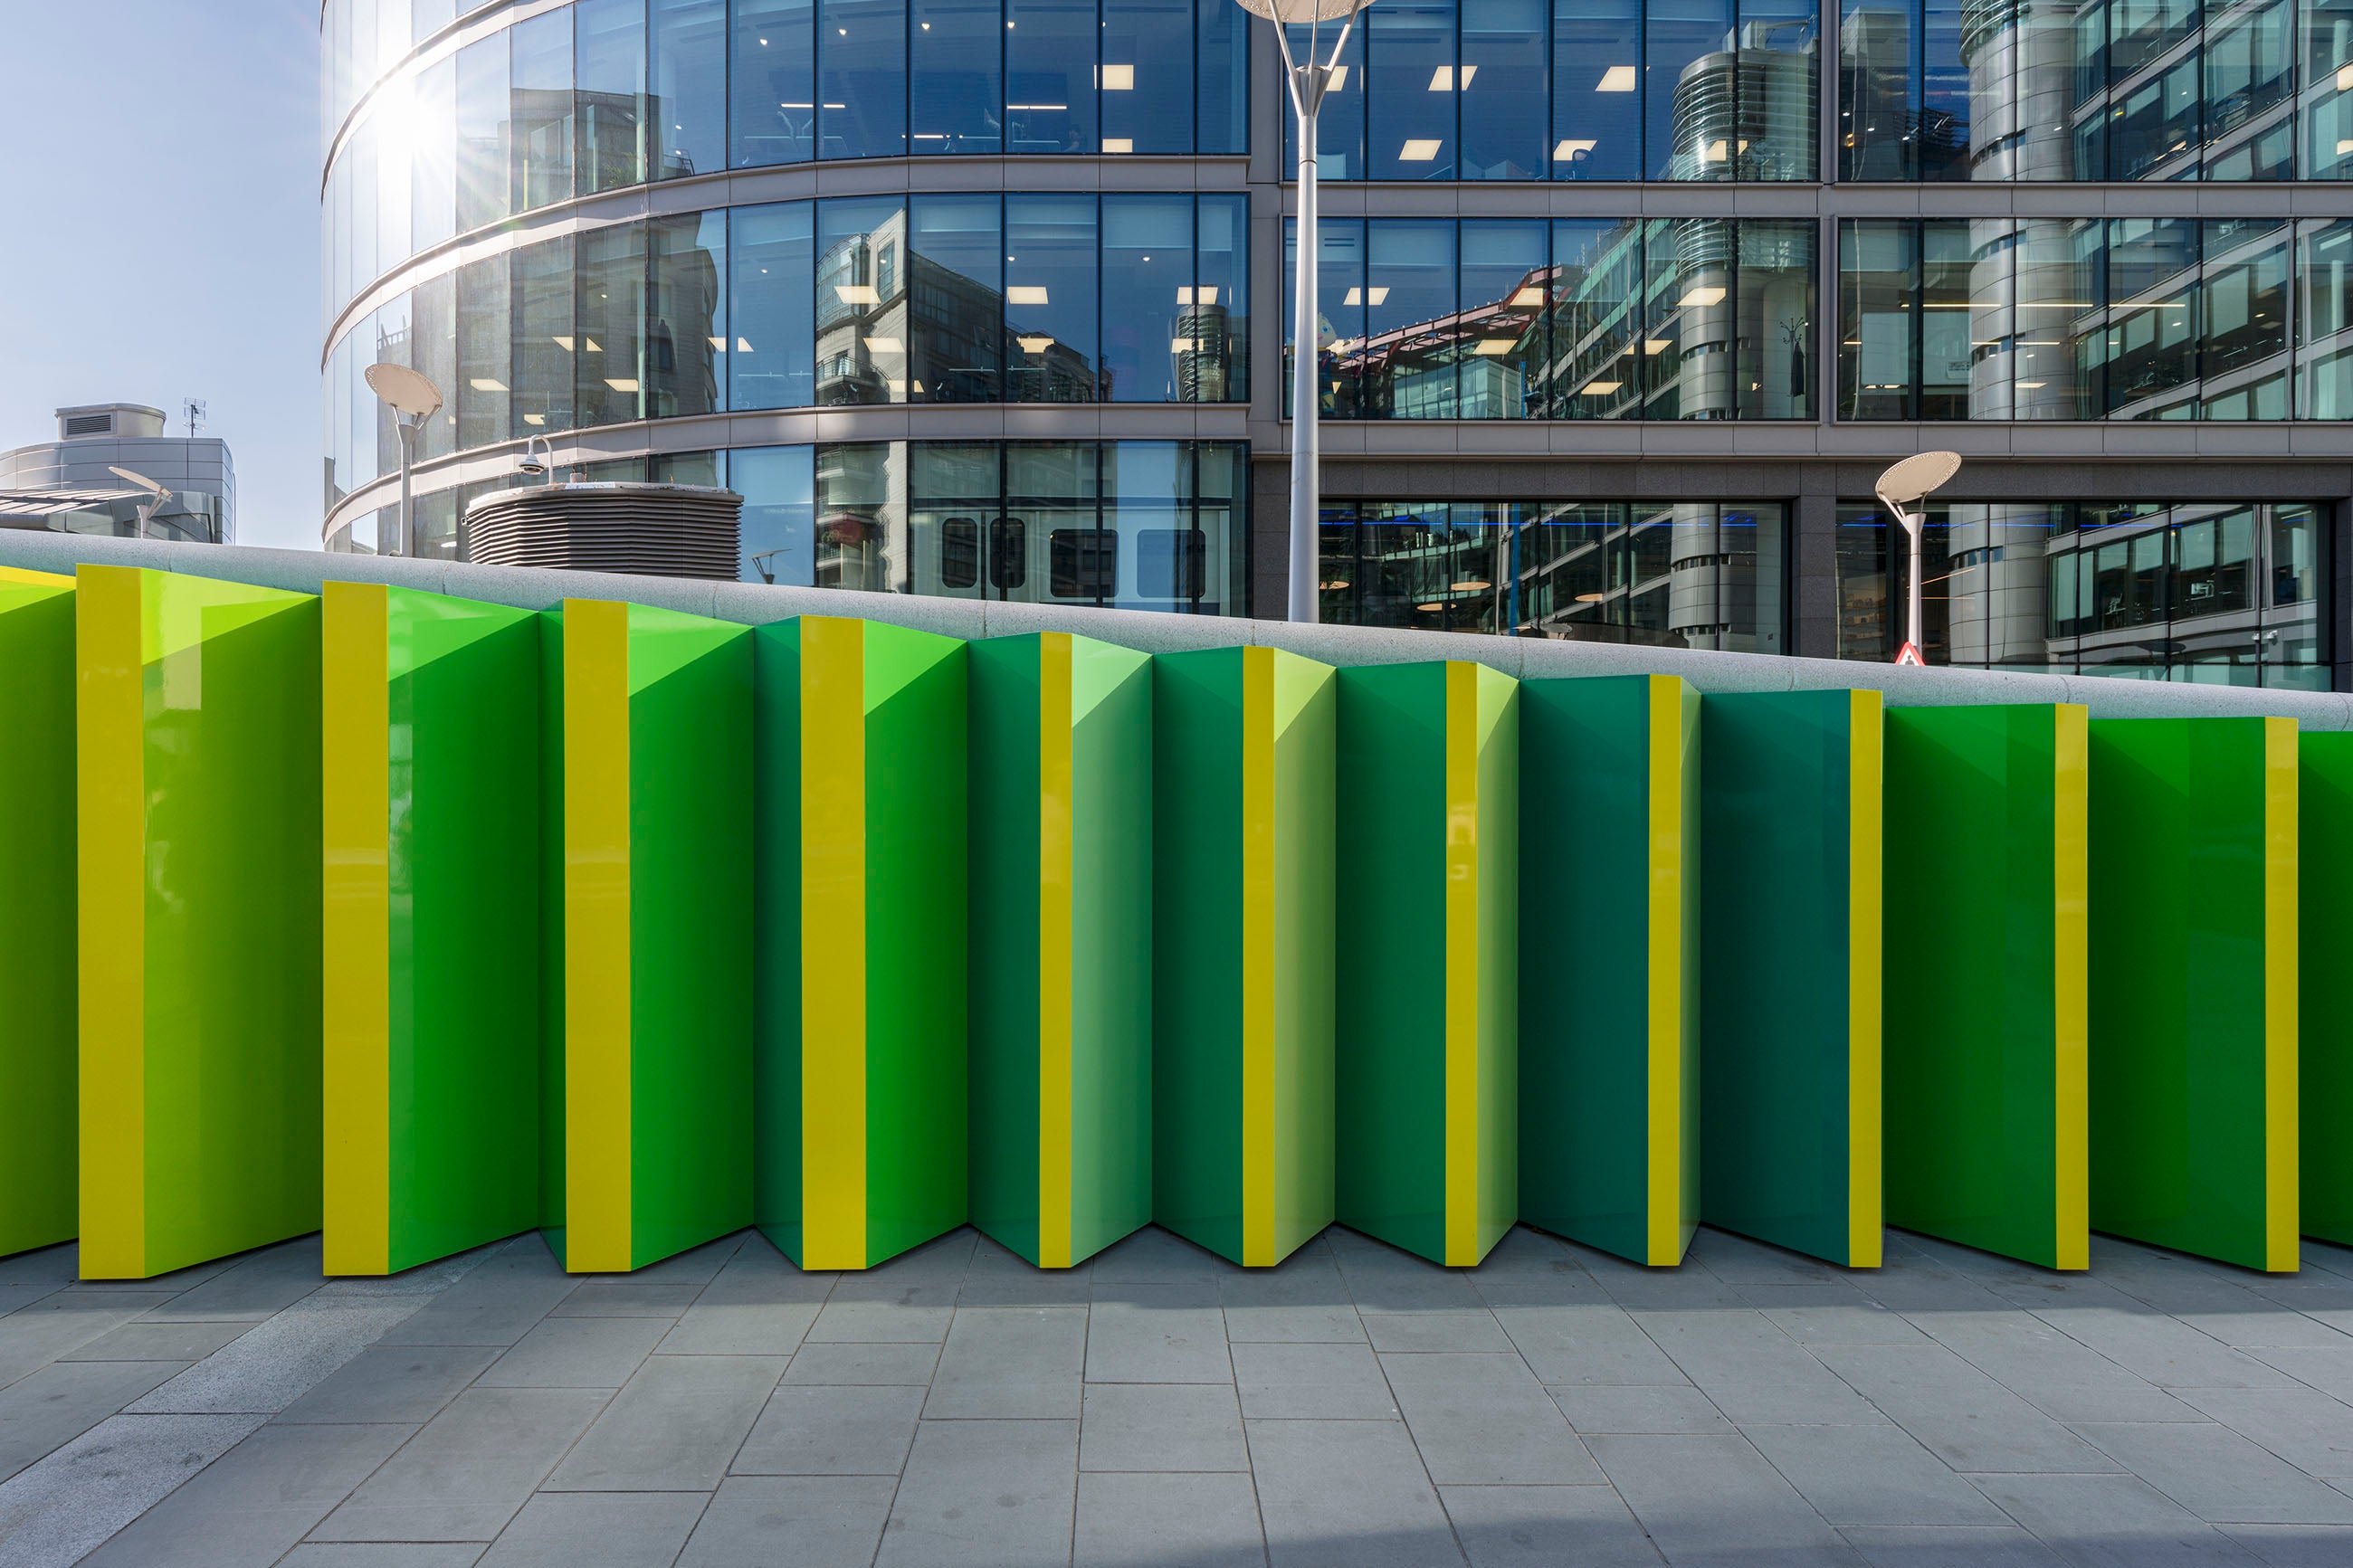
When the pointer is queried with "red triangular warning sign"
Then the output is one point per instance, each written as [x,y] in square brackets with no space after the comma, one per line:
[1907,654]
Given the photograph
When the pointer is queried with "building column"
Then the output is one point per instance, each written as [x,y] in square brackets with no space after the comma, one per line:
[1814,566]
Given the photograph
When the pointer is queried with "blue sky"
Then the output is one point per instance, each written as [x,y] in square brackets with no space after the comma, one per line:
[162,190]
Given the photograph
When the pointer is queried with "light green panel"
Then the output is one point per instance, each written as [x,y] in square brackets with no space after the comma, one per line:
[1060,769]
[1242,941]
[38,1076]
[859,835]
[1609,962]
[2325,1035]
[2194,994]
[1985,1029]
[199,919]
[1790,1012]
[1428,1114]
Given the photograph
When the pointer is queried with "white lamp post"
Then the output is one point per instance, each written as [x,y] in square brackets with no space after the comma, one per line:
[414,400]
[1903,484]
[1308,83]
[158,498]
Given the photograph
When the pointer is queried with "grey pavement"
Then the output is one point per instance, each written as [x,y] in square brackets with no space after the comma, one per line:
[1159,1409]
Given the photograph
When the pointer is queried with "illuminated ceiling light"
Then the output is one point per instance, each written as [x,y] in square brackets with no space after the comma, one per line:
[1697,298]
[590,345]
[2344,146]
[1184,345]
[2345,79]
[1035,345]
[1205,295]
[2030,386]
[743,347]
[564,343]
[621,384]
[534,418]
[1713,153]
[1601,388]
[1337,582]
[719,345]
[919,389]
[1379,294]
[1656,346]
[1119,143]
[1495,345]
[1355,297]
[898,388]
[883,346]
[1421,150]
[1443,78]
[1590,598]
[1119,79]
[1025,294]
[1531,295]
[1472,585]
[1617,78]
[1339,79]
[1567,150]
[484,383]
[1430,610]
[857,294]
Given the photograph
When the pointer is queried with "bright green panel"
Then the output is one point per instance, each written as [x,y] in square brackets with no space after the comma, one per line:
[1196,1046]
[1774,867]
[1391,1078]
[1003,1113]
[2324,1048]
[777,934]
[1499,954]
[689,931]
[915,930]
[2177,965]
[38,1076]
[464,884]
[1971,996]
[232,759]
[1110,945]
[1584,1096]
[551,931]
[1306,738]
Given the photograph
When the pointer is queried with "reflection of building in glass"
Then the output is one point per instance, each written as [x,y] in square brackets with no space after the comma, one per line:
[1747,113]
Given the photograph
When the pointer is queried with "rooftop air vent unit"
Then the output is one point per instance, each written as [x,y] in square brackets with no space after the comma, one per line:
[89,424]
[657,531]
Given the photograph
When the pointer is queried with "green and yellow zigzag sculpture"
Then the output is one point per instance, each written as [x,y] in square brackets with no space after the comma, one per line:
[428,921]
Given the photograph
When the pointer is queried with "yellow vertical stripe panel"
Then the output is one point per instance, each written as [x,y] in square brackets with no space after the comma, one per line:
[2069,955]
[833,943]
[1258,958]
[1462,1108]
[111,839]
[1864,765]
[2280,1217]
[597,1145]
[1663,1229]
[355,814]
[1056,830]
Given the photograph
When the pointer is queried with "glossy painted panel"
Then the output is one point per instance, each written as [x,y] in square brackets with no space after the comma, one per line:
[1985,1003]
[2324,847]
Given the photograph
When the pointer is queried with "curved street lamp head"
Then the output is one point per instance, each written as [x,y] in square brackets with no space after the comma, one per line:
[1299,13]
[1913,476]
[151,487]
[404,390]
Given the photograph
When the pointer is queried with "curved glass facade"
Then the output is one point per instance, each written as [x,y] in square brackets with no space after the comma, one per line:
[2095,90]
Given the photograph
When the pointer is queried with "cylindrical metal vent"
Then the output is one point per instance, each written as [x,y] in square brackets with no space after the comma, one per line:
[659,530]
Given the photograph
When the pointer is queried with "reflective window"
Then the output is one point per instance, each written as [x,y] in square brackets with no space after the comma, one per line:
[1597,89]
[861,75]
[1221,79]
[1501,90]
[1049,75]
[956,103]
[2080,318]
[2215,593]
[540,111]
[769,341]
[432,156]
[861,301]
[483,90]
[609,45]
[772,75]
[686,315]
[485,353]
[608,330]
[686,73]
[1154,332]
[1657,319]
[1147,76]
[956,313]
[779,485]
[1703,575]
[1410,73]
[545,345]
[1051,299]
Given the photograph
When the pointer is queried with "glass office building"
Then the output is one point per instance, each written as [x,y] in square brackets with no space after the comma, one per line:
[1624,304]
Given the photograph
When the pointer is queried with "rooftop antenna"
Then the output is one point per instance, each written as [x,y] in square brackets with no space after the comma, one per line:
[194,407]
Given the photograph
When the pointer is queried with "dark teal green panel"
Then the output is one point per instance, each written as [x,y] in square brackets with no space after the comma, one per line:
[38,1118]
[1774,877]
[2325,1049]
[776,828]
[1391,1073]
[1585,1089]
[2180,1151]
[690,931]
[1110,945]
[1198,1006]
[1003,1111]
[1976,1047]
[465,896]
